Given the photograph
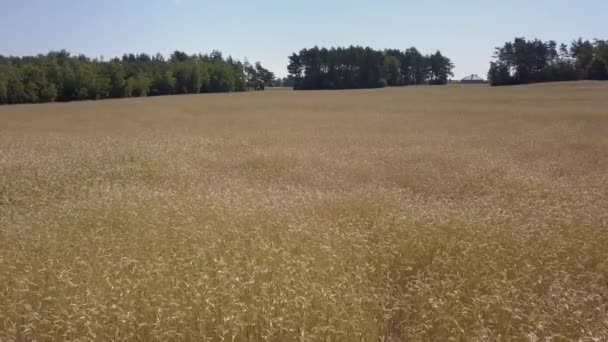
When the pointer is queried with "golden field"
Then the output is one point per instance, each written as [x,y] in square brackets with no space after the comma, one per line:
[401,214]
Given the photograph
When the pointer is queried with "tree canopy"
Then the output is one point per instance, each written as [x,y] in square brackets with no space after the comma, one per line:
[59,76]
[359,67]
[528,61]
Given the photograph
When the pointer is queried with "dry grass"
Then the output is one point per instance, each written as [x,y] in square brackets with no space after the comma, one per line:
[462,213]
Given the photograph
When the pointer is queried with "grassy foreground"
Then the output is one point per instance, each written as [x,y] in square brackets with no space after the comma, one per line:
[421,213]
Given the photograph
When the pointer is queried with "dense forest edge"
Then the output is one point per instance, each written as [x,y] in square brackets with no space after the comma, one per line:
[59,76]
[363,67]
[531,61]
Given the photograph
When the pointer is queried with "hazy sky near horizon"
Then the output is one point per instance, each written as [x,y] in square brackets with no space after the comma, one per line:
[466,31]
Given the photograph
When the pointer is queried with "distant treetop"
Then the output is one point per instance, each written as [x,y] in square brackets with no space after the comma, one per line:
[59,76]
[359,67]
[529,61]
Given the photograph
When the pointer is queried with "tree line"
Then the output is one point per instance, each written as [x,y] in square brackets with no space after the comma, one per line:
[359,67]
[59,76]
[529,61]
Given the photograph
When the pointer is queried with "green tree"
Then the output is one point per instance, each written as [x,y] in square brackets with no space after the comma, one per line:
[240,78]
[440,68]
[598,69]
[499,74]
[59,76]
[251,74]
[221,78]
[118,84]
[3,92]
[15,92]
[33,80]
[183,72]
[140,85]
[364,67]
[264,74]
[601,50]
[48,92]
[194,82]
[391,70]
[163,83]
[527,61]
[582,51]
[295,70]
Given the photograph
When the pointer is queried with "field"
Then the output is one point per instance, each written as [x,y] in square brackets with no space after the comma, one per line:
[417,213]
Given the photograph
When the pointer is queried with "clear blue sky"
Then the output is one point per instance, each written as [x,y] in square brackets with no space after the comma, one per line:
[465,30]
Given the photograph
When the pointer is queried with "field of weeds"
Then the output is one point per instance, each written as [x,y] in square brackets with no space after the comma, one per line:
[419,213]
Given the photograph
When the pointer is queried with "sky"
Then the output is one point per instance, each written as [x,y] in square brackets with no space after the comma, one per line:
[269,31]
